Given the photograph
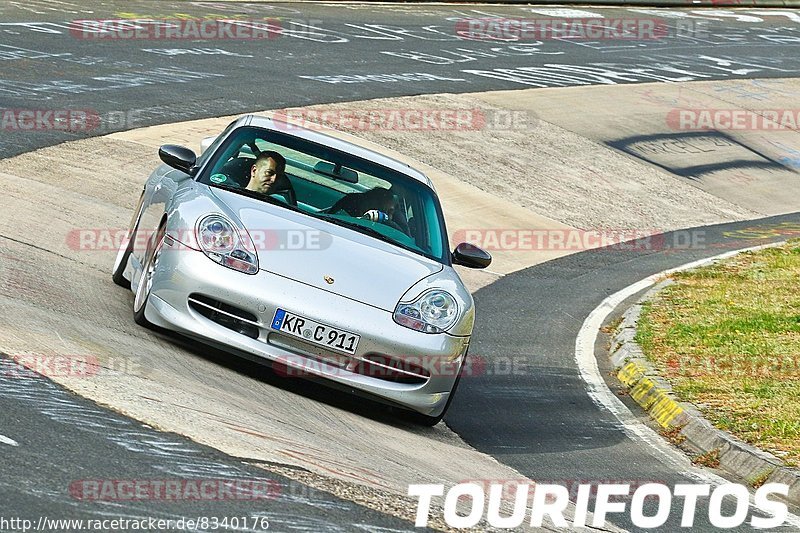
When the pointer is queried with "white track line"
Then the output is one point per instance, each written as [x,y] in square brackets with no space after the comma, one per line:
[6,440]
[604,398]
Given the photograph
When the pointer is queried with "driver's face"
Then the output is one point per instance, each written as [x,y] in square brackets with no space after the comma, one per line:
[263,175]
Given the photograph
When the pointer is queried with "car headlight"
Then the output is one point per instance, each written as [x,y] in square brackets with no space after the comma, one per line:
[433,311]
[226,244]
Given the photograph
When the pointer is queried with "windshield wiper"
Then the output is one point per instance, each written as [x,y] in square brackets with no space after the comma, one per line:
[365,229]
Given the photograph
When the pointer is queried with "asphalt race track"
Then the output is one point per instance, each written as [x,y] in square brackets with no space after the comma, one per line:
[46,61]
[68,443]
[540,420]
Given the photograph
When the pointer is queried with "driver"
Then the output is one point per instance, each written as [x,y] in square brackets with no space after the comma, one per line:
[265,172]
[268,176]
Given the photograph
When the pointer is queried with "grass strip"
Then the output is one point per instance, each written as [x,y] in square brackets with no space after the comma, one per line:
[727,337]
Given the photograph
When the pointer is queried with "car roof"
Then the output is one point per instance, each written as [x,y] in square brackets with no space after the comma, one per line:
[336,143]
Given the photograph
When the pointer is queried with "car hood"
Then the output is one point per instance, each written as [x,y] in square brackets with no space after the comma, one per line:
[326,256]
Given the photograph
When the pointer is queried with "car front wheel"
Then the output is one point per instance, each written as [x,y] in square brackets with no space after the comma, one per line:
[124,253]
[426,420]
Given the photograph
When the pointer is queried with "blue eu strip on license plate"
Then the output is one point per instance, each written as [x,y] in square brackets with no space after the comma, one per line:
[277,322]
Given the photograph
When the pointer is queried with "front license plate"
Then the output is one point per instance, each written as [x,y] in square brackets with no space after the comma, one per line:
[314,332]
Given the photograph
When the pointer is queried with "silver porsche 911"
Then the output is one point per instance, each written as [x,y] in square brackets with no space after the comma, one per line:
[324,258]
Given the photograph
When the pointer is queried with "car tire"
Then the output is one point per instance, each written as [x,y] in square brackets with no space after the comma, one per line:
[121,262]
[152,256]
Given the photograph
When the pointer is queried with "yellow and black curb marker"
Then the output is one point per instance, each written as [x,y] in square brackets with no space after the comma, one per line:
[647,393]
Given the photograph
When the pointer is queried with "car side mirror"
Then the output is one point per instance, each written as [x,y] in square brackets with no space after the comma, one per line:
[178,157]
[471,256]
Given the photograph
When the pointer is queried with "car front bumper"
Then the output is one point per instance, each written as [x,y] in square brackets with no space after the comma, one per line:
[183,272]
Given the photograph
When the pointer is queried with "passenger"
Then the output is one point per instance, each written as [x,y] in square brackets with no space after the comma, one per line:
[375,204]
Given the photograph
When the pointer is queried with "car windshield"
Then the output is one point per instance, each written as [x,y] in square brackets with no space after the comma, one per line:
[332,185]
